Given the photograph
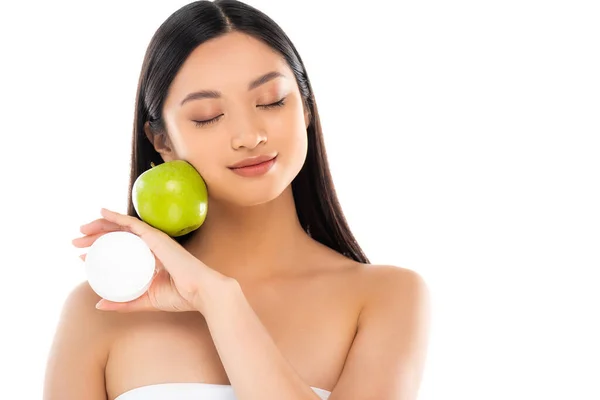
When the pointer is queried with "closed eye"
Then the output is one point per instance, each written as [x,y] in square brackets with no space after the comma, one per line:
[277,104]
[273,105]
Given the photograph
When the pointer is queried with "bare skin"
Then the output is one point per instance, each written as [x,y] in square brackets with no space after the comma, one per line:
[313,320]
[357,328]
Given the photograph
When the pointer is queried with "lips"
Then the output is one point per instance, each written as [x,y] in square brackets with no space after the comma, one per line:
[254,167]
[252,161]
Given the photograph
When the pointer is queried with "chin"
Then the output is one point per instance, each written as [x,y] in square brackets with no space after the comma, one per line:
[250,193]
[261,194]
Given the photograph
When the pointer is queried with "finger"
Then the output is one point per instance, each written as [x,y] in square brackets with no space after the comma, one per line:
[133,224]
[140,304]
[173,256]
[99,225]
[82,256]
[165,249]
[86,241]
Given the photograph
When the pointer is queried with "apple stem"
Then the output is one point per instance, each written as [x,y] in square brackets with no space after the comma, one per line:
[152,164]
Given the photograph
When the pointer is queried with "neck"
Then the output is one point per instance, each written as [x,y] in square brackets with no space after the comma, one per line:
[251,242]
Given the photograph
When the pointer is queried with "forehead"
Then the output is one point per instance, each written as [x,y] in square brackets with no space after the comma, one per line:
[227,63]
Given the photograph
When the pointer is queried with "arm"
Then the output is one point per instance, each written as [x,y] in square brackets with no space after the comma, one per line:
[75,366]
[387,357]
[247,351]
[385,361]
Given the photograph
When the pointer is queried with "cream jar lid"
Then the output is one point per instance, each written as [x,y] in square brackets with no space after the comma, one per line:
[119,266]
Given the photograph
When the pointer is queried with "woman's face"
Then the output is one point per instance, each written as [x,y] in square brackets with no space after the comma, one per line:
[237,123]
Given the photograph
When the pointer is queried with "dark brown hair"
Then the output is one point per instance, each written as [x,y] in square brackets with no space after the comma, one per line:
[316,202]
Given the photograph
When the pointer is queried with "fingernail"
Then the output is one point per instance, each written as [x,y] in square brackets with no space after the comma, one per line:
[99,304]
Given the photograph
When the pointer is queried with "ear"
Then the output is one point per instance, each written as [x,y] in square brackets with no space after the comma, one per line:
[161,142]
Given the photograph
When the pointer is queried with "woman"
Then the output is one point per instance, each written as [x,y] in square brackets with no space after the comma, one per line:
[272,298]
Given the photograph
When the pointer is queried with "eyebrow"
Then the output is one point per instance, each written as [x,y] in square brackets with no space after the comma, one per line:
[214,94]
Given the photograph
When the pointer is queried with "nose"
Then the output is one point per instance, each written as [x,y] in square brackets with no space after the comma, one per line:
[249,140]
[248,133]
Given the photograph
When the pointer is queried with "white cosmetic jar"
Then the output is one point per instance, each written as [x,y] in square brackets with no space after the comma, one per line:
[119,266]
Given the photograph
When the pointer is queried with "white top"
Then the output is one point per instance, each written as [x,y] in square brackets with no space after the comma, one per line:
[191,391]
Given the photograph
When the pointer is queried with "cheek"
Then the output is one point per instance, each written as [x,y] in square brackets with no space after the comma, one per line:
[204,155]
[290,129]
[301,148]
[292,142]
[298,139]
[298,135]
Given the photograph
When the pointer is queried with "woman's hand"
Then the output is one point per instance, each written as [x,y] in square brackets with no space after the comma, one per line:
[181,281]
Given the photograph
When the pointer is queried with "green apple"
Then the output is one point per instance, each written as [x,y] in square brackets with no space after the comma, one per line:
[171,197]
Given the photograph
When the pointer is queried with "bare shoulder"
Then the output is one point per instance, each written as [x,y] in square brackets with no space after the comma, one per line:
[79,352]
[394,295]
[382,291]
[374,284]
[387,358]
[389,280]
[82,299]
[377,282]
[81,318]
[81,302]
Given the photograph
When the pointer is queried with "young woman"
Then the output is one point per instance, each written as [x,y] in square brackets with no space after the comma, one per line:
[271,298]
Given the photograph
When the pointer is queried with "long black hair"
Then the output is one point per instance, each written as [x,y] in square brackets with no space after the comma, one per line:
[316,202]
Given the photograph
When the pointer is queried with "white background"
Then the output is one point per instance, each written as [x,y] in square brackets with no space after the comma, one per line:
[464,141]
